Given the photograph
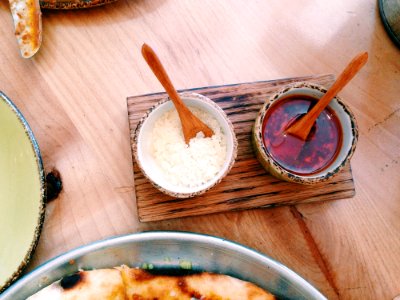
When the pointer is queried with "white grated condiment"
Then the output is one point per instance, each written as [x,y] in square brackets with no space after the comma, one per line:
[187,165]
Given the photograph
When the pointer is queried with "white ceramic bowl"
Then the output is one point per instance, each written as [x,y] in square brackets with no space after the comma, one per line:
[149,167]
[347,122]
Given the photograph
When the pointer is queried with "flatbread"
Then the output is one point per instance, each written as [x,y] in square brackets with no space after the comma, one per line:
[140,284]
[28,25]
[104,284]
[137,284]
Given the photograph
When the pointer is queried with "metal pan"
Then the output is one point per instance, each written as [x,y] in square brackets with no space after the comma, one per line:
[170,250]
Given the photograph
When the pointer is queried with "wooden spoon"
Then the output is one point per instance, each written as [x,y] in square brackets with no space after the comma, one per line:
[301,128]
[191,125]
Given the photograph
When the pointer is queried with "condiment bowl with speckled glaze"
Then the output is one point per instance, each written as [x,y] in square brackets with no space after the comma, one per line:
[22,192]
[72,4]
[142,147]
[347,134]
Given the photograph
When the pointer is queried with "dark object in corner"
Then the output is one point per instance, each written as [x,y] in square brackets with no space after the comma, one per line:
[390,16]
[53,185]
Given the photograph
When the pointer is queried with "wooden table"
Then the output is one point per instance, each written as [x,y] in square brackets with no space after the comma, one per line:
[73,94]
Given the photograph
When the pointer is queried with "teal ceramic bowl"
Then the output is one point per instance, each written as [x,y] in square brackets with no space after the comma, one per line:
[22,192]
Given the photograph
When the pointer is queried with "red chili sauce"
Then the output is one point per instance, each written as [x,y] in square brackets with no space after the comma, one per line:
[293,154]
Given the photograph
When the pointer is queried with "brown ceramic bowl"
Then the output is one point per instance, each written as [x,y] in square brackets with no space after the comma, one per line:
[148,165]
[346,120]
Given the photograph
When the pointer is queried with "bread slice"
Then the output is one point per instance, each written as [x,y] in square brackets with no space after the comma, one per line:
[140,284]
[28,25]
[89,285]
[124,283]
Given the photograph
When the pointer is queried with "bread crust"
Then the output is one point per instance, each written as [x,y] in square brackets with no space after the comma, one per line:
[27,19]
[124,283]
[140,284]
[104,284]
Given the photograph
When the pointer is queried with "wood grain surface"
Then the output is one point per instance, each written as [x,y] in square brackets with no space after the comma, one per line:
[73,94]
[247,185]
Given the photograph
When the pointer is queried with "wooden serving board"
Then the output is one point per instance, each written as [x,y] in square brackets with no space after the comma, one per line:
[247,185]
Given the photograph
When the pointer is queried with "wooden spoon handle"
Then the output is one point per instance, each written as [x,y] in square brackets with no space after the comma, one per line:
[348,73]
[158,69]
[302,127]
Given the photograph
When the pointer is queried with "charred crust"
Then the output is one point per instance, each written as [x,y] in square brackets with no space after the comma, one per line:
[72,281]
[185,289]
[141,275]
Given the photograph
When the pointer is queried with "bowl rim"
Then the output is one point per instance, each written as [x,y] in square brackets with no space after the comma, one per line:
[287,175]
[14,276]
[184,236]
[216,107]
[72,5]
